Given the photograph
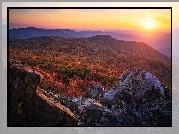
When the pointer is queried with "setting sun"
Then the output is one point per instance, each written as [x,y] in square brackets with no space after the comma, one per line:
[149,25]
[93,19]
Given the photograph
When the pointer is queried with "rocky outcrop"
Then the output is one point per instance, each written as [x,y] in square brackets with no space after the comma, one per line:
[96,92]
[91,89]
[138,99]
[142,98]
[26,107]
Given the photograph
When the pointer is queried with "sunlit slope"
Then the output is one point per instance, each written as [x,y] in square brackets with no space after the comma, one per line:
[81,59]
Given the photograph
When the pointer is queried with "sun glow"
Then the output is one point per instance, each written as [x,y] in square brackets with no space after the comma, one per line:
[149,25]
[92,19]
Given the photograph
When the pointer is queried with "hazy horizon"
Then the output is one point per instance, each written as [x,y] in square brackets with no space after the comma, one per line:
[93,30]
[145,20]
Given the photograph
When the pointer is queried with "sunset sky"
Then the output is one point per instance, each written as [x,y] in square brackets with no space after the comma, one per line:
[92,19]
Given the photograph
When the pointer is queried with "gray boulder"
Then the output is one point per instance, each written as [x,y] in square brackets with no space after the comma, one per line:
[142,98]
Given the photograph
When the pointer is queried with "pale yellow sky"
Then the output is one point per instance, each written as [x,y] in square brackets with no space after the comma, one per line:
[92,19]
[149,19]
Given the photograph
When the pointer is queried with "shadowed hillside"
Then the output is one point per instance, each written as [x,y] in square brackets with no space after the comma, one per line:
[26,106]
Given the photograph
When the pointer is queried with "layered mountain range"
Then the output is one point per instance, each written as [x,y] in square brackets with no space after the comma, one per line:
[157,40]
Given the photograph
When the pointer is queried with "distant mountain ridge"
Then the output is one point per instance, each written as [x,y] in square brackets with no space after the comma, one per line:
[159,41]
[132,47]
[140,49]
[30,32]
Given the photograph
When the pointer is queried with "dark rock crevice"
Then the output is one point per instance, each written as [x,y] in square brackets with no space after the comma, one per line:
[25,107]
